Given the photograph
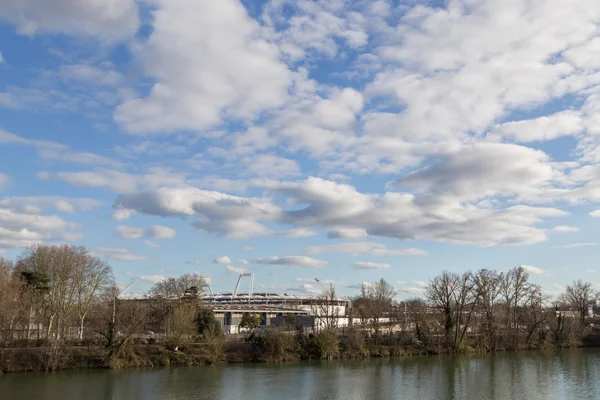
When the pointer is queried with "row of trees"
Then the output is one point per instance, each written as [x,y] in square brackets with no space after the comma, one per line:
[490,309]
[48,288]
[53,292]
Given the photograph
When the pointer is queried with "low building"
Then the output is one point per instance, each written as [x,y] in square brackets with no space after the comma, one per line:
[230,316]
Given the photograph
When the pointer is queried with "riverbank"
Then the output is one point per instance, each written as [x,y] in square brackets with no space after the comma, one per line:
[258,349]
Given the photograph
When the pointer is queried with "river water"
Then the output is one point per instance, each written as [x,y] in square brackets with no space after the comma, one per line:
[561,374]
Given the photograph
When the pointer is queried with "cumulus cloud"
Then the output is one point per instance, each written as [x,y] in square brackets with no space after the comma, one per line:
[348,233]
[108,19]
[575,245]
[160,232]
[332,205]
[543,128]
[375,249]
[370,265]
[235,270]
[153,232]
[242,73]
[222,260]
[117,254]
[565,229]
[291,261]
[595,214]
[484,169]
[305,288]
[299,233]
[152,278]
[129,232]
[151,244]
[116,181]
[194,261]
[218,212]
[90,74]
[64,204]
[532,270]
[26,226]
[4,181]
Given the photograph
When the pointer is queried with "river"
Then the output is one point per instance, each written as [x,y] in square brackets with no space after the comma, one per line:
[535,375]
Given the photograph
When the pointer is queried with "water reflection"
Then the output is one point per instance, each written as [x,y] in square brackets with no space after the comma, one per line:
[567,374]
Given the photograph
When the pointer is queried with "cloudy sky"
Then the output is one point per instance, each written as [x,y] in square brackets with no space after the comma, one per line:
[344,140]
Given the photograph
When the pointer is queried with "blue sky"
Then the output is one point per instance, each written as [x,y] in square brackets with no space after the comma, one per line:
[344,140]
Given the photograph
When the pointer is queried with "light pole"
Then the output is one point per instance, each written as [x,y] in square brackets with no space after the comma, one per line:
[114,310]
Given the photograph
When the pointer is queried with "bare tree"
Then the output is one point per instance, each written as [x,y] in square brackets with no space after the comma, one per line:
[92,276]
[580,295]
[375,302]
[167,293]
[176,288]
[73,279]
[10,298]
[515,288]
[326,308]
[441,291]
[487,286]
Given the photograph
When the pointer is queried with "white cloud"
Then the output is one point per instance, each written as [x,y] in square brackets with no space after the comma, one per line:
[117,254]
[312,280]
[116,181]
[222,260]
[243,262]
[564,229]
[348,233]
[242,74]
[89,74]
[332,205]
[375,249]
[2,61]
[160,232]
[248,248]
[4,181]
[532,270]
[315,28]
[152,278]
[269,166]
[481,170]
[129,232]
[595,214]
[151,244]
[62,154]
[154,232]
[291,261]
[107,19]
[235,270]
[299,233]
[540,129]
[575,245]
[218,212]
[370,265]
[305,288]
[194,261]
[27,226]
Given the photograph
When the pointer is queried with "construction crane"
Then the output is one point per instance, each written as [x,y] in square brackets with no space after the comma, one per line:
[237,285]
[325,288]
[114,310]
[127,287]
[206,285]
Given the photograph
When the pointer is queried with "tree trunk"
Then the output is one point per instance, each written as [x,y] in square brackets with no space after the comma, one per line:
[58,328]
[29,322]
[81,322]
[49,331]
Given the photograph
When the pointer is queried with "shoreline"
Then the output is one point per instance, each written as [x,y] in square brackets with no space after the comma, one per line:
[48,359]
